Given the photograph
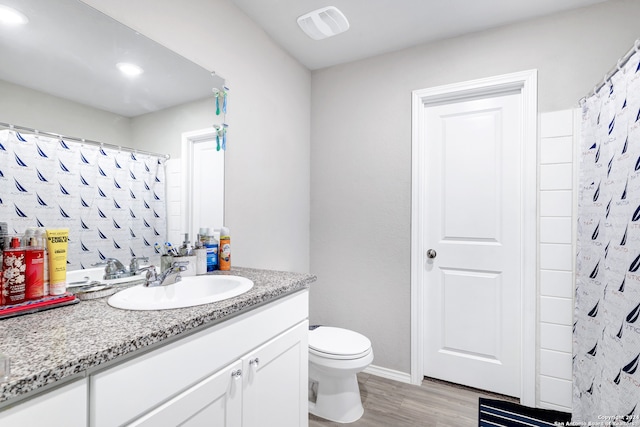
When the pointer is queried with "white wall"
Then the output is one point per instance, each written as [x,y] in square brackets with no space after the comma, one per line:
[361,153]
[556,246]
[267,160]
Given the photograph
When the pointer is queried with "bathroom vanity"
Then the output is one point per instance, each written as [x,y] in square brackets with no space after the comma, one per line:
[237,362]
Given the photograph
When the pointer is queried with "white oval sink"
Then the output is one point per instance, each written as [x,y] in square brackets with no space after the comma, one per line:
[76,278]
[189,292]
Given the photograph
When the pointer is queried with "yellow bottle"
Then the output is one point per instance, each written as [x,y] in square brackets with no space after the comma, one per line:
[224,251]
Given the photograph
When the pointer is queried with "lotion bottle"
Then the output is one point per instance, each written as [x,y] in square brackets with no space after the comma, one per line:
[34,260]
[13,283]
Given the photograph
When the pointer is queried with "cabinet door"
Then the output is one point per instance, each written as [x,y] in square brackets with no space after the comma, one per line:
[215,401]
[63,406]
[275,378]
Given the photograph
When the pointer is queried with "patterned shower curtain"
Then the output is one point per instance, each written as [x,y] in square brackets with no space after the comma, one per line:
[112,201]
[606,330]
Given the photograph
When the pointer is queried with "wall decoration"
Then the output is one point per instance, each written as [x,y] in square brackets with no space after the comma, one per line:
[112,201]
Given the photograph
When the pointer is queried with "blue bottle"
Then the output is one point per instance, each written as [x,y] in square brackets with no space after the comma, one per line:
[211,246]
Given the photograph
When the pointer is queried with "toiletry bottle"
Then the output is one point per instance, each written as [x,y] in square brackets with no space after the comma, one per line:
[41,235]
[13,283]
[58,243]
[185,249]
[202,236]
[201,258]
[34,258]
[212,251]
[225,249]
[4,229]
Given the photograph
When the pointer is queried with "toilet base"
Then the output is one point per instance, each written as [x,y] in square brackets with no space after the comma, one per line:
[338,399]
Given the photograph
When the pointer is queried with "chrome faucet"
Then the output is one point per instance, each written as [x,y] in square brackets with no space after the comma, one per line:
[168,277]
[134,264]
[114,269]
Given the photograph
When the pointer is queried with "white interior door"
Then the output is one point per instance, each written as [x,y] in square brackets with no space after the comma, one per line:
[203,182]
[472,222]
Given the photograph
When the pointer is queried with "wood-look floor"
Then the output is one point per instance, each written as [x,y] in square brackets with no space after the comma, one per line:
[435,403]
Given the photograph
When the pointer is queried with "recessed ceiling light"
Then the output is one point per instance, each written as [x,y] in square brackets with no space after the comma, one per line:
[11,16]
[129,69]
[322,23]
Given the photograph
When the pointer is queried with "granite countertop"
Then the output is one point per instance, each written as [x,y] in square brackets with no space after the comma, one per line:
[56,344]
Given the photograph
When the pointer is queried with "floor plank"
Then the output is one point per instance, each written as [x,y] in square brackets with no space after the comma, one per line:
[435,403]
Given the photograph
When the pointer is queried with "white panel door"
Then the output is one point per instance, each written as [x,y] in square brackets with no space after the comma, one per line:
[472,222]
[215,401]
[208,186]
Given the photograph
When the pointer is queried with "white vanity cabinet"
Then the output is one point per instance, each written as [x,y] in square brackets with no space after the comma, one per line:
[64,406]
[250,370]
[264,388]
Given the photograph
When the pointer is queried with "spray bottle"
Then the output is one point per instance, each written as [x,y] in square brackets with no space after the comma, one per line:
[225,249]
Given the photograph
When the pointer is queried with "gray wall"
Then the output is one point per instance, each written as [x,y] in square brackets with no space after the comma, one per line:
[22,106]
[161,132]
[267,160]
[361,153]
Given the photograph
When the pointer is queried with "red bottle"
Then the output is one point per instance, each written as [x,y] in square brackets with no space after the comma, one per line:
[34,260]
[14,268]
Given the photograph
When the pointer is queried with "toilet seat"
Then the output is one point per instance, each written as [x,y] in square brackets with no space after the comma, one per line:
[337,343]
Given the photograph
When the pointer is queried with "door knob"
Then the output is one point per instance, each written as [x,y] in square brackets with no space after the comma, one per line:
[431,253]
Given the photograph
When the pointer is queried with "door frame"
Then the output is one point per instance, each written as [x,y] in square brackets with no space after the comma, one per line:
[526,83]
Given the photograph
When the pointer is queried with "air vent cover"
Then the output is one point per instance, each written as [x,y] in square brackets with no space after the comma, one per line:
[322,23]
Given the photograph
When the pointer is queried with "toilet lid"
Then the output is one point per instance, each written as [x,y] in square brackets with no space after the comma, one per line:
[338,341]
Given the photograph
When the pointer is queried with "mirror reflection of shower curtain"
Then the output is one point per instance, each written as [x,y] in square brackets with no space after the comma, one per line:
[606,333]
[112,201]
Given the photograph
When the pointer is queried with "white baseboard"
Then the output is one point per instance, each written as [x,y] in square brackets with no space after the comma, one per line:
[388,373]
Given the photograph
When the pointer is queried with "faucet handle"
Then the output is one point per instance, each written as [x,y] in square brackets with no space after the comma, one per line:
[151,273]
[111,266]
[180,265]
[134,264]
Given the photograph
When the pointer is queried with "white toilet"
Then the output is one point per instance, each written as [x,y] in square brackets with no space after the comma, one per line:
[335,357]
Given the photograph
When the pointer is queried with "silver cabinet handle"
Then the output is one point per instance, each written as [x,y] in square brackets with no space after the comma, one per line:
[254,362]
[431,253]
[236,374]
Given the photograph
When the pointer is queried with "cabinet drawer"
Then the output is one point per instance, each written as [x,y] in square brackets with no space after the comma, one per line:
[123,392]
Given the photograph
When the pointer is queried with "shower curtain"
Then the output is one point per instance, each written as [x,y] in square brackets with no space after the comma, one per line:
[112,201]
[606,330]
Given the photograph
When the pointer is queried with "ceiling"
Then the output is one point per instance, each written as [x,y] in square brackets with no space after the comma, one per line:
[379,26]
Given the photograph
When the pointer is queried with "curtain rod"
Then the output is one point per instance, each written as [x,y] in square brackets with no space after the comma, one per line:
[621,63]
[81,140]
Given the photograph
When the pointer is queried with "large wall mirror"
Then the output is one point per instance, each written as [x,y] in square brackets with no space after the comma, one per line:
[60,75]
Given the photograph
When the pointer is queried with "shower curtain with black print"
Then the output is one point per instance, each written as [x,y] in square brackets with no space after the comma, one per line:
[112,201]
[606,330]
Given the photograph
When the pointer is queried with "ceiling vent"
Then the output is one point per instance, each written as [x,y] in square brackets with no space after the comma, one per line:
[322,23]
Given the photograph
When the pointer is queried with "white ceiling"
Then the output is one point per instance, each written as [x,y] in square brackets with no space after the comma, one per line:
[379,26]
